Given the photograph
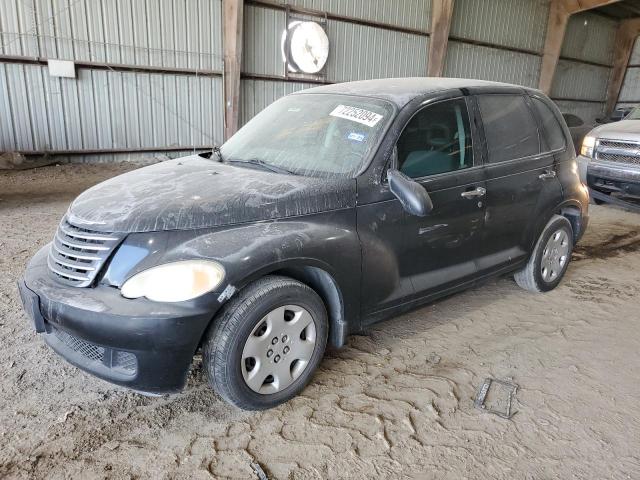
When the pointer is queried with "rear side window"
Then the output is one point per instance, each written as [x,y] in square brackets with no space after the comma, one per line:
[509,127]
[550,125]
[436,140]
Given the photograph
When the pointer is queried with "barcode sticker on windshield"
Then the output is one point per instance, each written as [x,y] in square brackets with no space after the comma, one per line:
[365,117]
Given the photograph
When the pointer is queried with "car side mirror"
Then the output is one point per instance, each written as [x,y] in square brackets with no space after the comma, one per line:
[413,196]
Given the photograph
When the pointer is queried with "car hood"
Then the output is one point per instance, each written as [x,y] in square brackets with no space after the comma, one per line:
[622,130]
[194,192]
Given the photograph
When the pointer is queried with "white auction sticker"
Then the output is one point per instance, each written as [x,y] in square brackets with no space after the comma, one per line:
[370,119]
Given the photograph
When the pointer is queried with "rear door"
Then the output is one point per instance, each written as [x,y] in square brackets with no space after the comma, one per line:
[521,178]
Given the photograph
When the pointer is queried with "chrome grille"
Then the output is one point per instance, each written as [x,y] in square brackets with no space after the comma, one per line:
[608,157]
[616,144]
[77,254]
[618,151]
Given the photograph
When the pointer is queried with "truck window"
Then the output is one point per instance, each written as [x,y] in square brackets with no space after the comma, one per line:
[509,127]
[436,140]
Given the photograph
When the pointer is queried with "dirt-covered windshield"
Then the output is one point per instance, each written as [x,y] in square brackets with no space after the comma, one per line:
[313,135]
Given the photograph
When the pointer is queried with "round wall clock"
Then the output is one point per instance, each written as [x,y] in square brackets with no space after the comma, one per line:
[305,47]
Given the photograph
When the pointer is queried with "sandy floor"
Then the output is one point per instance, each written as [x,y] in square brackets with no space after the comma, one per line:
[395,403]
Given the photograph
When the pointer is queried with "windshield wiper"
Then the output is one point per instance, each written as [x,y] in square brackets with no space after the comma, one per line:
[261,163]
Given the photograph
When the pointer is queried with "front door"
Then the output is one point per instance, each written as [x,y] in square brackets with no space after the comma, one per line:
[406,257]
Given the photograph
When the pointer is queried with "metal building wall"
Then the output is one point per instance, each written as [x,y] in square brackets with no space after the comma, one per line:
[148,75]
[582,75]
[630,92]
[414,14]
[357,50]
[497,40]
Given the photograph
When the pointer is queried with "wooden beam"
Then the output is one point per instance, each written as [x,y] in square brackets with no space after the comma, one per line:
[232,45]
[576,6]
[441,13]
[626,35]
[556,26]
[559,13]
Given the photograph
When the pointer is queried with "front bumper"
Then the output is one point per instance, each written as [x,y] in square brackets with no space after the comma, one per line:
[613,177]
[140,344]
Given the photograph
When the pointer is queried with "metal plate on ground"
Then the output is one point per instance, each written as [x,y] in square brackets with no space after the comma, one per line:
[496,396]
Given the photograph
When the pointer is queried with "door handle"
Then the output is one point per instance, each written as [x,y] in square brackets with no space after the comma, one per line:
[547,174]
[477,192]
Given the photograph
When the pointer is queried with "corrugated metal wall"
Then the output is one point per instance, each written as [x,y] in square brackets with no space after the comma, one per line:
[356,51]
[630,92]
[518,24]
[103,109]
[111,107]
[156,107]
[490,24]
[582,75]
[414,14]
[473,61]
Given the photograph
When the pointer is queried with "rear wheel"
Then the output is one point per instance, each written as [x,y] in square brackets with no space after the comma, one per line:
[550,257]
[266,344]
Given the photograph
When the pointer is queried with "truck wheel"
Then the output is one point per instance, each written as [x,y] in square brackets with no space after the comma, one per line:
[550,257]
[266,343]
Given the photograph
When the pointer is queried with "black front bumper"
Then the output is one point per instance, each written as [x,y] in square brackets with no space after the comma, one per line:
[609,177]
[140,344]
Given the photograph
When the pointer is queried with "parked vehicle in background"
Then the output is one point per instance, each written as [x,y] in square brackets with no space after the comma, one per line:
[610,157]
[617,115]
[578,129]
[334,208]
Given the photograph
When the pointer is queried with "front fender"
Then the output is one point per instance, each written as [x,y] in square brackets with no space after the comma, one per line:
[327,241]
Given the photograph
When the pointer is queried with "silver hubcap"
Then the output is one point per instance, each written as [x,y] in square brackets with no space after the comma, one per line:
[555,255]
[278,349]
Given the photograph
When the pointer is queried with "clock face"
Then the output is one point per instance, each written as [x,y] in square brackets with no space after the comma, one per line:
[308,47]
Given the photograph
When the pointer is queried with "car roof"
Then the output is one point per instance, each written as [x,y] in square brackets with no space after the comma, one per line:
[402,90]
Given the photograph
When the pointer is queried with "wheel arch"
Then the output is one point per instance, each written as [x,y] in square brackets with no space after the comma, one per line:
[321,281]
[327,288]
[572,211]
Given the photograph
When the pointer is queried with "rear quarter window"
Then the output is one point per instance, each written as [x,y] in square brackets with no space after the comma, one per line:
[550,126]
[510,129]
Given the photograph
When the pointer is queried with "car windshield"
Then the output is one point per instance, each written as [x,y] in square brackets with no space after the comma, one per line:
[633,114]
[316,135]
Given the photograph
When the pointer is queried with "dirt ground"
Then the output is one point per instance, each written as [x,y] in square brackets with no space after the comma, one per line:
[395,403]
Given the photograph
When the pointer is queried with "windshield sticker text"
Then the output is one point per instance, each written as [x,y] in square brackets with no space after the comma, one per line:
[365,117]
[356,137]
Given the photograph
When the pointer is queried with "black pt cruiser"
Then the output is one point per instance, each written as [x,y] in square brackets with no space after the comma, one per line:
[332,209]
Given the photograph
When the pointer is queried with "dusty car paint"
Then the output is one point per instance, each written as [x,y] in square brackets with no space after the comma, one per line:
[349,239]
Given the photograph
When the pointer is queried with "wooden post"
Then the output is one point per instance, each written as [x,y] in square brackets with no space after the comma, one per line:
[559,13]
[232,22]
[441,13]
[626,36]
[556,26]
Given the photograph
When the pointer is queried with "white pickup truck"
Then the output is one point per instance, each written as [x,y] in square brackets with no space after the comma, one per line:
[609,158]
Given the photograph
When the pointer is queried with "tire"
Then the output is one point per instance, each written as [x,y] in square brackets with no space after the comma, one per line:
[254,337]
[542,273]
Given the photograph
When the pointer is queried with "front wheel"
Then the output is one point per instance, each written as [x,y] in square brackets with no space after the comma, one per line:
[550,257]
[264,347]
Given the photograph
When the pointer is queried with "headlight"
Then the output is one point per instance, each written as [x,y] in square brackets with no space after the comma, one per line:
[175,282]
[587,146]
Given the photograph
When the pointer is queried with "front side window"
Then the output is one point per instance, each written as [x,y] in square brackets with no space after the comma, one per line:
[509,127]
[436,140]
[317,135]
